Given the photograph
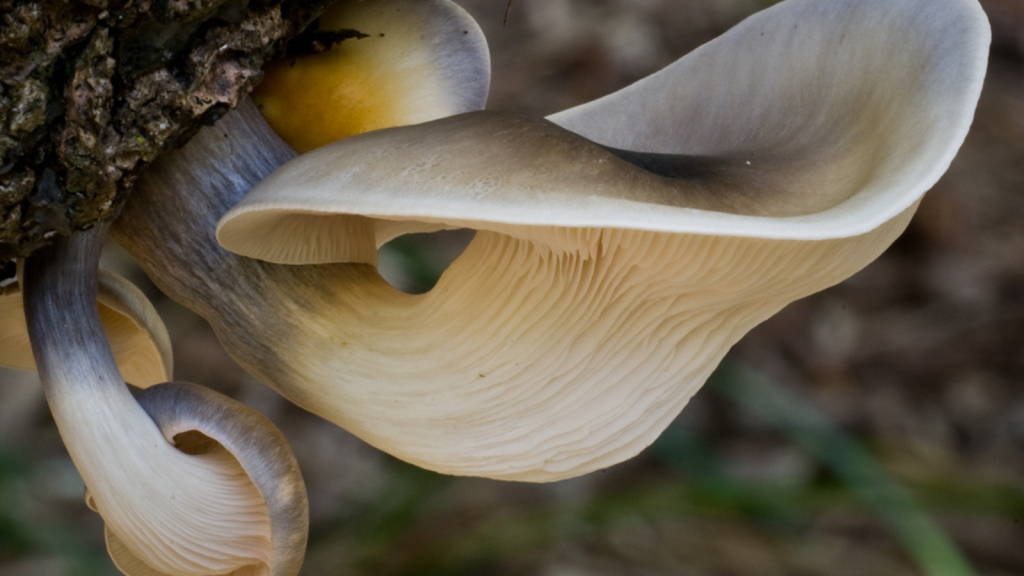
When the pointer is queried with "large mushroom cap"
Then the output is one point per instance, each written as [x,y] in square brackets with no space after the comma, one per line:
[136,333]
[810,120]
[624,245]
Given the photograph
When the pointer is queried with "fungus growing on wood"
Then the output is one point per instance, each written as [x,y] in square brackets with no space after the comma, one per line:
[623,245]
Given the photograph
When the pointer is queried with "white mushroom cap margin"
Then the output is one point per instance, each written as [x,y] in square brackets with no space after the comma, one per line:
[820,119]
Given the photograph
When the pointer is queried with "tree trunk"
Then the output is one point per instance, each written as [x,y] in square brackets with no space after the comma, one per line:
[93,90]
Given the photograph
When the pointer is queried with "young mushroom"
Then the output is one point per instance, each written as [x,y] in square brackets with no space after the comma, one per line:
[421,59]
[623,245]
[187,481]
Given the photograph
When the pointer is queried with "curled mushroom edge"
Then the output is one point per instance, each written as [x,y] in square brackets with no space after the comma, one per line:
[188,482]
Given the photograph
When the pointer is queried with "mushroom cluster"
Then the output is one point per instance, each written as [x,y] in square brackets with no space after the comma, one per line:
[622,248]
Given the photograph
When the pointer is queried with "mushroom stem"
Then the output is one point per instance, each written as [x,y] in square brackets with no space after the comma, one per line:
[169,512]
[172,236]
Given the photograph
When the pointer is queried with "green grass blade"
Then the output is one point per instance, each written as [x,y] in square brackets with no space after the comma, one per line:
[924,541]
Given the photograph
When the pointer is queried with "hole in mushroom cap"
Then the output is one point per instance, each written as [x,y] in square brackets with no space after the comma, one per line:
[195,443]
[413,263]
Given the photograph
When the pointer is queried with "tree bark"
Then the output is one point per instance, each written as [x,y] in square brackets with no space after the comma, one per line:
[93,90]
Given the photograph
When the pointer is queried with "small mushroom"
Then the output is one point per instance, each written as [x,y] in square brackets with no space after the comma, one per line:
[136,334]
[187,481]
[421,59]
[623,246]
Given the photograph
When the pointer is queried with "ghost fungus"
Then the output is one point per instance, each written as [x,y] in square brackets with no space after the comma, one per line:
[624,246]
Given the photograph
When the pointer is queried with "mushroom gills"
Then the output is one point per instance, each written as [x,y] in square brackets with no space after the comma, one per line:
[202,423]
[533,364]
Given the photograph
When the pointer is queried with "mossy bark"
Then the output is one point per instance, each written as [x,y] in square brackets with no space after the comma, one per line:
[93,90]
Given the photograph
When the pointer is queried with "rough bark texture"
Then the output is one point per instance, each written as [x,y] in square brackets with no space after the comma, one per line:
[93,90]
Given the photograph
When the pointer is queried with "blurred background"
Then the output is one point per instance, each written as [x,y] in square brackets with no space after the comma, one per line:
[874,429]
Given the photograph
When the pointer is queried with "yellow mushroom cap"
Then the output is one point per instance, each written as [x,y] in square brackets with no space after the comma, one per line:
[402,62]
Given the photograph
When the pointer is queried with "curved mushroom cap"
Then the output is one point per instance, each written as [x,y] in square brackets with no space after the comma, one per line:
[810,120]
[206,425]
[188,483]
[135,331]
[420,59]
[620,256]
